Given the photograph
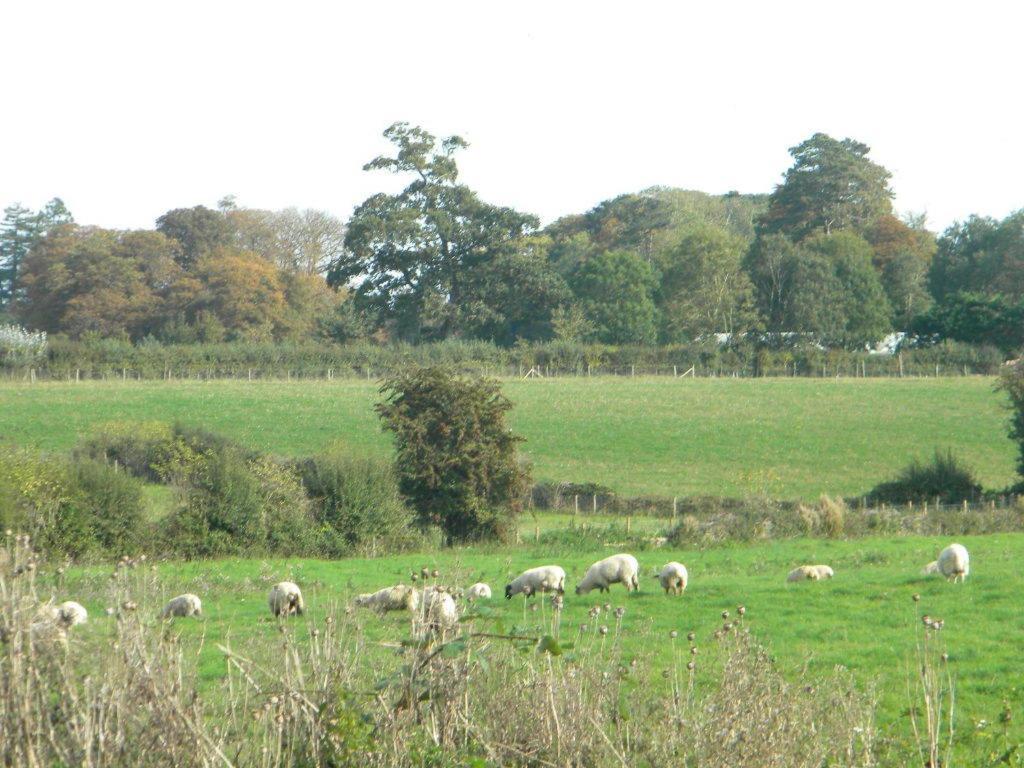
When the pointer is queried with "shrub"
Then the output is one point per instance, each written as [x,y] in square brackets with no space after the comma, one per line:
[945,478]
[70,508]
[241,505]
[456,457]
[356,503]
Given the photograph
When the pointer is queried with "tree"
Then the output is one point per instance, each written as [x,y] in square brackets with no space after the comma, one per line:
[200,230]
[1012,383]
[831,185]
[513,295]
[311,240]
[976,318]
[841,289]
[86,279]
[981,255]
[902,256]
[614,289]
[772,264]
[703,288]
[414,251]
[455,455]
[243,291]
[17,235]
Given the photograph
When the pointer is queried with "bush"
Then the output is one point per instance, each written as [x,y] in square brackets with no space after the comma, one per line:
[946,478]
[70,508]
[456,457]
[356,503]
[237,505]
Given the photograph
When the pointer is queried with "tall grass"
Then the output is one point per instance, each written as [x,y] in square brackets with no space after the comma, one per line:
[305,695]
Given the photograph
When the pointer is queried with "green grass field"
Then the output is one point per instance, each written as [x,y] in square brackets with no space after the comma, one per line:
[789,438]
[864,619]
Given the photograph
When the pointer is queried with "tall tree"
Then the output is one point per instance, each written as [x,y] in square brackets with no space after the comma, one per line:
[17,235]
[981,255]
[704,288]
[902,256]
[615,291]
[414,250]
[831,185]
[199,230]
[311,240]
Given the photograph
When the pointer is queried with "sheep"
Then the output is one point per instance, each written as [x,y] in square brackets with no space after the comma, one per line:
[954,563]
[478,591]
[932,567]
[285,598]
[439,613]
[673,578]
[810,573]
[400,597]
[183,605]
[611,570]
[546,578]
[69,614]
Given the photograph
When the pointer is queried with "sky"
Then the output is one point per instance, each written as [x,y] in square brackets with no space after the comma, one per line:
[126,110]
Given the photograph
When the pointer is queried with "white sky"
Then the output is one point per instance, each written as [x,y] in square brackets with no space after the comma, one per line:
[128,109]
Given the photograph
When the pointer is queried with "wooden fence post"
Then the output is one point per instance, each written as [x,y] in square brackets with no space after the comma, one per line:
[675,509]
[576,504]
[595,503]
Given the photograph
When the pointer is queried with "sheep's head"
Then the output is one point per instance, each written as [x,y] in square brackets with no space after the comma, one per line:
[508,591]
[294,606]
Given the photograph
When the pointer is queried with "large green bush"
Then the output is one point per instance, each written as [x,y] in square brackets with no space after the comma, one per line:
[946,478]
[236,504]
[75,508]
[356,503]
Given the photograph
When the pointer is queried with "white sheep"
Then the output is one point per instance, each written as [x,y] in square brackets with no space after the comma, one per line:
[616,569]
[546,578]
[931,568]
[478,591]
[400,597]
[183,605]
[285,598]
[69,614]
[954,563]
[810,573]
[439,610]
[673,578]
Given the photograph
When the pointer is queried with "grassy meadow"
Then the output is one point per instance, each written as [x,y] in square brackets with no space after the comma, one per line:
[788,438]
[864,619]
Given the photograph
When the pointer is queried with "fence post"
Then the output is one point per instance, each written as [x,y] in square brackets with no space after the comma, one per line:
[76,375]
[675,371]
[32,375]
[595,503]
[632,370]
[536,533]
[675,509]
[965,505]
[629,523]
[899,357]
[576,504]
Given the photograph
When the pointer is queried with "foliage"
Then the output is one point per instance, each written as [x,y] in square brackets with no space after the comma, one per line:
[703,288]
[20,230]
[199,231]
[902,254]
[831,185]
[977,318]
[1012,383]
[415,252]
[614,289]
[946,479]
[455,456]
[356,502]
[77,508]
[981,255]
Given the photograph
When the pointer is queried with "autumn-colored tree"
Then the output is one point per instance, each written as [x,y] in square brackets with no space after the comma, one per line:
[199,230]
[902,256]
[86,279]
[243,291]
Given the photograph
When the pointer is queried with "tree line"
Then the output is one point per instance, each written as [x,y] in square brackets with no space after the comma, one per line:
[823,258]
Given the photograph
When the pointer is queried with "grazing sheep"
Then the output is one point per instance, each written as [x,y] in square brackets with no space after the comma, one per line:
[70,614]
[932,567]
[183,605]
[810,573]
[673,578]
[285,598]
[611,570]
[546,578]
[400,597]
[954,563]
[439,610]
[478,591]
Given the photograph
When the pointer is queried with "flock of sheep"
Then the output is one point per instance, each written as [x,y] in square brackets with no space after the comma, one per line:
[437,604]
